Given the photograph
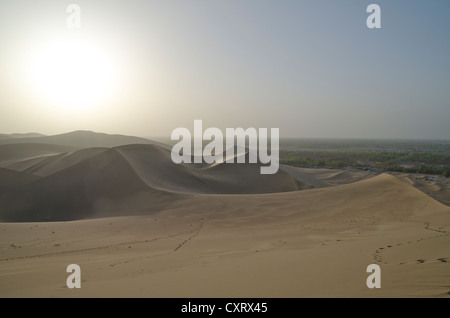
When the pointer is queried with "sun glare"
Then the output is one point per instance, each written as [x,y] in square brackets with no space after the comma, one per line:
[73,75]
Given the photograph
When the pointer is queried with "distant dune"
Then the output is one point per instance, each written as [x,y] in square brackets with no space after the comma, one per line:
[20,135]
[81,139]
[12,153]
[48,164]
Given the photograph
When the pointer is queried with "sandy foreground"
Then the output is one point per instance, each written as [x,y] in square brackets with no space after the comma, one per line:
[310,243]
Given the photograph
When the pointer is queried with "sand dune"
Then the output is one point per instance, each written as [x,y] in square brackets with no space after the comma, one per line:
[78,184]
[311,243]
[141,226]
[81,139]
[72,193]
[98,181]
[437,187]
[358,200]
[11,153]
[154,165]
[49,164]
[303,178]
[20,135]
[347,176]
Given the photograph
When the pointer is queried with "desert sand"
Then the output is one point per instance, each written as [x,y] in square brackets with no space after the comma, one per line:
[140,226]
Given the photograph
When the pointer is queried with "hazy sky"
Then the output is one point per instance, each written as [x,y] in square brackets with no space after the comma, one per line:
[311,68]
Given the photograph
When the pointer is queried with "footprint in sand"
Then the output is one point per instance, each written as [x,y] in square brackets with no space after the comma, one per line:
[421,261]
[443,260]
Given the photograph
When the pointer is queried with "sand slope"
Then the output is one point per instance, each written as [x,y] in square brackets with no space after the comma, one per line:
[312,243]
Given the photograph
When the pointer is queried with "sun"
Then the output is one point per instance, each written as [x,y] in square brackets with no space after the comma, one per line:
[73,75]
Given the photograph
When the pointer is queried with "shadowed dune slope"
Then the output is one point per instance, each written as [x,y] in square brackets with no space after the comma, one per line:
[10,179]
[73,193]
